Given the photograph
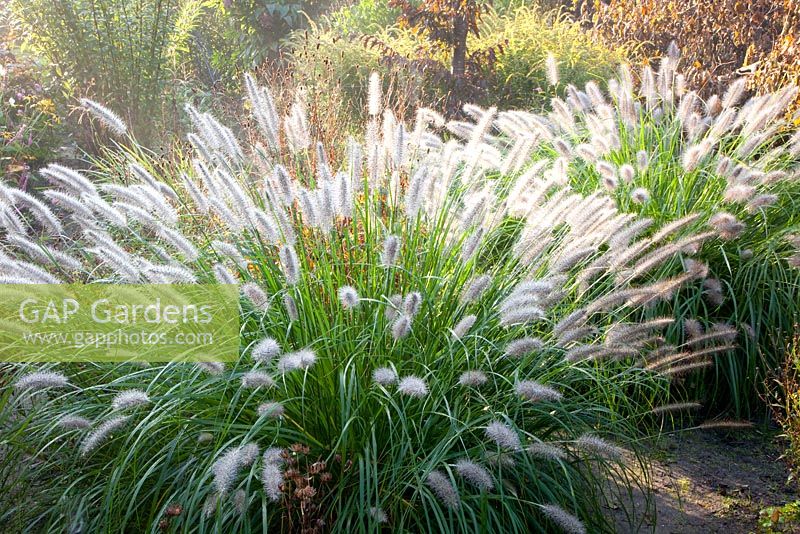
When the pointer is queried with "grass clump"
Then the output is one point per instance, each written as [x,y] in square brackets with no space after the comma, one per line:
[363,17]
[664,153]
[427,341]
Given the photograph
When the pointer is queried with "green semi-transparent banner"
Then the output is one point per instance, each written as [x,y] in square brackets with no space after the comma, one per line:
[113,322]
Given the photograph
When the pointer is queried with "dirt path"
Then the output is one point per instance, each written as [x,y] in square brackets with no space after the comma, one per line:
[711,481]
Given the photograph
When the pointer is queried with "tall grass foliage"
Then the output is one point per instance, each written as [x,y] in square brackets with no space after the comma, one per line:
[436,336]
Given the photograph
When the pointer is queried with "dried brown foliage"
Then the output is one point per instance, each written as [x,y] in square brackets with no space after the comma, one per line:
[781,66]
[716,37]
[336,70]
[306,483]
[326,121]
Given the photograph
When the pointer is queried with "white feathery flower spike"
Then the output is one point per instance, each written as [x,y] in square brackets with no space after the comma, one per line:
[42,380]
[229,252]
[272,480]
[391,250]
[475,474]
[70,179]
[565,521]
[504,436]
[39,210]
[640,195]
[249,454]
[596,445]
[473,379]
[257,379]
[444,490]
[642,160]
[130,398]
[413,386]
[464,325]
[546,451]
[210,504]
[226,468]
[534,391]
[374,97]
[266,350]
[240,501]
[378,515]
[212,368]
[401,327]
[291,307]
[551,70]
[348,297]
[522,347]
[274,410]
[223,275]
[734,93]
[74,422]
[290,264]
[102,433]
[108,118]
[412,303]
[302,359]
[256,296]
[393,307]
[475,288]
[385,376]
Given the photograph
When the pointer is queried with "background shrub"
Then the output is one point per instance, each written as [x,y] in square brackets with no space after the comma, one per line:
[260,26]
[31,109]
[119,50]
[334,59]
[784,399]
[528,35]
[331,63]
[363,17]
[717,37]
[781,66]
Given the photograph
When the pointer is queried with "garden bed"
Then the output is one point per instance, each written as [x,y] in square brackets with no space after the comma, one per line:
[713,481]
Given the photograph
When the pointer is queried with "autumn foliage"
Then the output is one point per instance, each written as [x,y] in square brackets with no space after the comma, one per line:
[781,66]
[716,37]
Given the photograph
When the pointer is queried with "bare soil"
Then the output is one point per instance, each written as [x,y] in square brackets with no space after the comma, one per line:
[709,481]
